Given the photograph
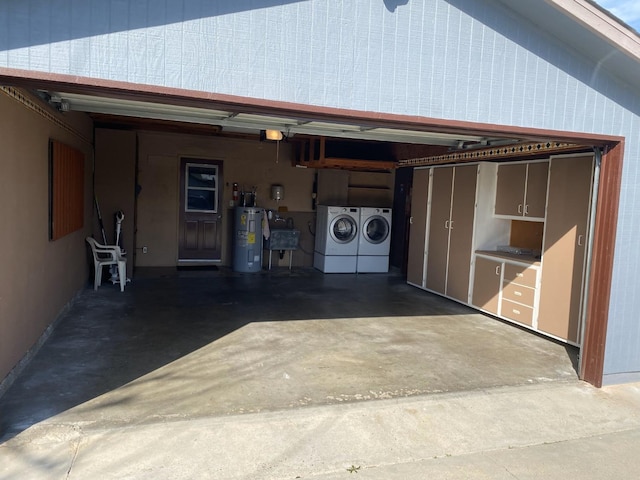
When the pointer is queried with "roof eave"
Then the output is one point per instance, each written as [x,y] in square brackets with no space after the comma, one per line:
[615,32]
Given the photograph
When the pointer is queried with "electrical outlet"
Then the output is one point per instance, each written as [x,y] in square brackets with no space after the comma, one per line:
[144,249]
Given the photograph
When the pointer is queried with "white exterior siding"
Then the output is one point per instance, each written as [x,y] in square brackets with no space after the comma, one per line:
[464,60]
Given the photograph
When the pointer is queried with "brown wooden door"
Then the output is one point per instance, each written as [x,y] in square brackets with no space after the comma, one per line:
[461,232]
[417,227]
[486,284]
[200,210]
[565,246]
[510,189]
[536,197]
[441,188]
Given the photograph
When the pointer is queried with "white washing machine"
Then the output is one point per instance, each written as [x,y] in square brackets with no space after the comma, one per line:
[336,247]
[374,240]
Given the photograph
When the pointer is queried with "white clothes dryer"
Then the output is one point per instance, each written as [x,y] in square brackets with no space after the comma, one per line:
[374,240]
[336,246]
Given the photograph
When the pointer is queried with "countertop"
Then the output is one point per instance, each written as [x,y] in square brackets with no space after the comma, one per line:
[528,259]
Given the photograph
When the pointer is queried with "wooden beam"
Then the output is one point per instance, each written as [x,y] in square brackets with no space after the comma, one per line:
[351,164]
[323,161]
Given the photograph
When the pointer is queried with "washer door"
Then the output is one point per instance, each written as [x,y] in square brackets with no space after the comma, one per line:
[376,230]
[343,229]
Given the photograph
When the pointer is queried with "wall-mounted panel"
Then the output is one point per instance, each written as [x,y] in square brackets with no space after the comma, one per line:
[66,190]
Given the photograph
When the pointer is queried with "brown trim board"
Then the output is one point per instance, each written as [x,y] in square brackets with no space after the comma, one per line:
[599,288]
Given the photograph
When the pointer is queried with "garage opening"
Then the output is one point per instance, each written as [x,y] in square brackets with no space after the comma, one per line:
[379,160]
[428,167]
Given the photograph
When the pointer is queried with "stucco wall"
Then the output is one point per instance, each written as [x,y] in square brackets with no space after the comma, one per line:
[38,277]
[467,60]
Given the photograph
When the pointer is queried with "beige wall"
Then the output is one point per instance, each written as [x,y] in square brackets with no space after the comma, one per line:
[38,277]
[246,162]
[115,185]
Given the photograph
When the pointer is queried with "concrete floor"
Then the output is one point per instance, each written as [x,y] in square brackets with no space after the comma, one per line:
[186,345]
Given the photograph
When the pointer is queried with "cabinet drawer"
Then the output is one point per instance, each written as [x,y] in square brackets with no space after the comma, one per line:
[518,293]
[517,312]
[519,274]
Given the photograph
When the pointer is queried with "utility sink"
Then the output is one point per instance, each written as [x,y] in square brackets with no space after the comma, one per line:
[283,239]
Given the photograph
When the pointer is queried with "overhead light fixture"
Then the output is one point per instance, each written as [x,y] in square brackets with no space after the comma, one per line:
[272,135]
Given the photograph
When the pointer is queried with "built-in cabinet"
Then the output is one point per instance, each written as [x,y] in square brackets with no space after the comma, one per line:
[370,189]
[506,286]
[487,282]
[522,190]
[417,227]
[463,217]
[362,189]
[565,246]
[519,292]
[453,193]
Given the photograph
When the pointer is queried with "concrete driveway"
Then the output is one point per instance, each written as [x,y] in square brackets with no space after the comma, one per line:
[184,345]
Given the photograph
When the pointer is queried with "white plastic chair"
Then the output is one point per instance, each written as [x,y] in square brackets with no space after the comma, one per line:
[107,255]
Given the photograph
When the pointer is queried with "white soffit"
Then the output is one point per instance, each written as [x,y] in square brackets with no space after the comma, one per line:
[588,29]
[603,24]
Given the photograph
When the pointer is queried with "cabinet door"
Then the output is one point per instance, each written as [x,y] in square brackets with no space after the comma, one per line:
[510,189]
[536,195]
[486,284]
[417,228]
[461,232]
[564,246]
[439,229]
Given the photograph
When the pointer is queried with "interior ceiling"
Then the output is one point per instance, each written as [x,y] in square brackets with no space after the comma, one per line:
[129,112]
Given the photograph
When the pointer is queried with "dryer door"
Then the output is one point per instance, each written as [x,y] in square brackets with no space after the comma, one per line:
[376,230]
[343,229]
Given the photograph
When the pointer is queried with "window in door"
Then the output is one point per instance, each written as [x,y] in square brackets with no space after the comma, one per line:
[201,188]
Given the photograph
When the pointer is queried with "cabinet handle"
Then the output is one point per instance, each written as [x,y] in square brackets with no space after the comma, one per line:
[410,220]
[517,312]
[446,224]
[517,294]
[451,225]
[498,270]
[520,208]
[526,209]
[580,240]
